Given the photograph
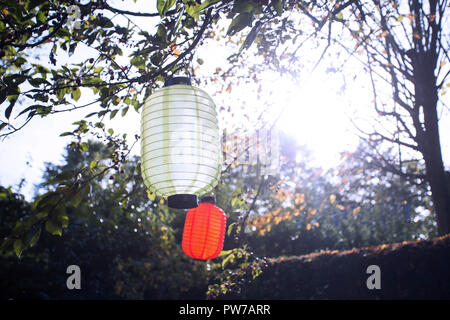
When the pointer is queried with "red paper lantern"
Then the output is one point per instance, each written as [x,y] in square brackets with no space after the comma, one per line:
[204,231]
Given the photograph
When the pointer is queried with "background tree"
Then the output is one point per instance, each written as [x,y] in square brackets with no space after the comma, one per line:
[354,205]
[404,50]
[410,54]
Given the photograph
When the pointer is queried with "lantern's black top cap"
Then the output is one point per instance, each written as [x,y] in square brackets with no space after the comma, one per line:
[177,80]
[208,199]
[182,201]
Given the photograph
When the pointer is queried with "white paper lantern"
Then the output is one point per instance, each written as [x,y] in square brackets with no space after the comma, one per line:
[180,146]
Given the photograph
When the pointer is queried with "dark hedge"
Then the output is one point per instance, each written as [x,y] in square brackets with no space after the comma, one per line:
[409,270]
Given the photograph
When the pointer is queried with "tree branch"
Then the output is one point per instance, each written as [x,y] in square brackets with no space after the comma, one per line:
[137,14]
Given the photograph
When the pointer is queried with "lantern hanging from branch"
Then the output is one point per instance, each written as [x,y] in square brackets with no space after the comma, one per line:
[180,147]
[204,230]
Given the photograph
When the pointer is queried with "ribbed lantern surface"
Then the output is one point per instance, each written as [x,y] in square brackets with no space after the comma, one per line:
[204,231]
[180,145]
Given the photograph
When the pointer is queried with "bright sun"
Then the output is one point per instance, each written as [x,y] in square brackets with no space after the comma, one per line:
[317,116]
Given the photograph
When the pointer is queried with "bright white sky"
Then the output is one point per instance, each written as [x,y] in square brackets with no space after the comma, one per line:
[312,111]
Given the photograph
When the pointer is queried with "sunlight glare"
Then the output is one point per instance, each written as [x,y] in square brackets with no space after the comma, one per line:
[317,116]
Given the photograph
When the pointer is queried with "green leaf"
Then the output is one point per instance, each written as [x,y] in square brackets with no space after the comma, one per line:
[124,111]
[193,11]
[72,48]
[35,237]
[207,3]
[156,58]
[43,110]
[99,124]
[36,82]
[237,201]
[76,94]
[244,6]
[160,7]
[251,36]
[14,80]
[151,195]
[136,105]
[64,134]
[224,253]
[18,246]
[229,258]
[63,218]
[42,70]
[95,90]
[18,227]
[93,164]
[3,93]
[164,5]
[240,22]
[40,97]
[33,107]
[98,70]
[230,228]
[53,228]
[113,114]
[162,33]
[76,199]
[138,62]
[60,93]
[41,17]
[84,146]
[19,62]
[91,114]
[102,22]
[42,215]
[9,109]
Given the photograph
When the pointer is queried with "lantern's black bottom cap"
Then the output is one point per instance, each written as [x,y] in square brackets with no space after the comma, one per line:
[182,201]
[208,199]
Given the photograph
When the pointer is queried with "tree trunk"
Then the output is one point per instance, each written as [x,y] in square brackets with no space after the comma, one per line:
[430,146]
[426,97]
[435,170]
